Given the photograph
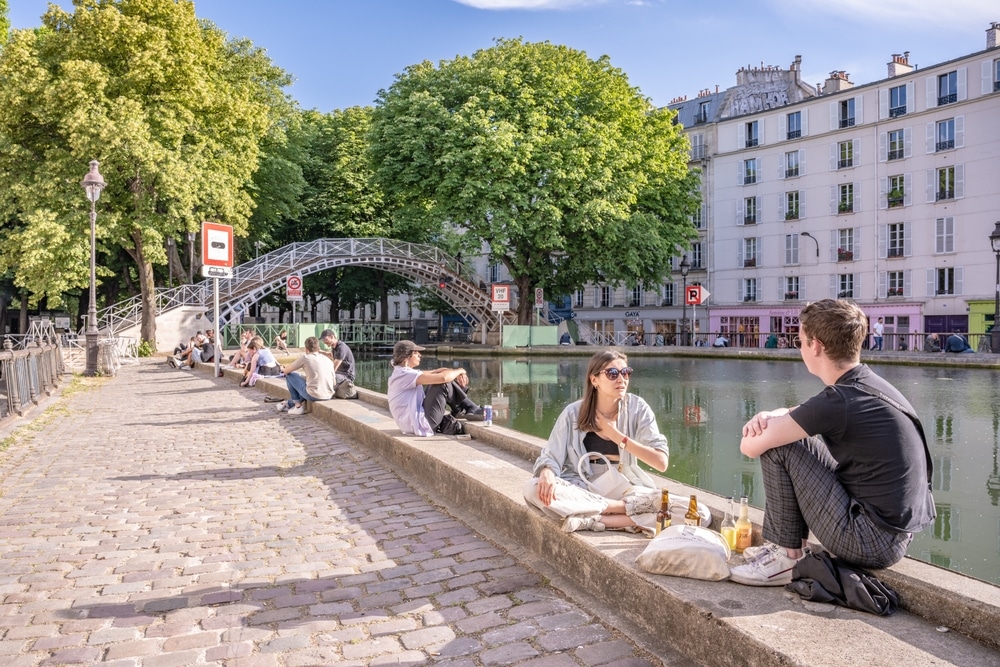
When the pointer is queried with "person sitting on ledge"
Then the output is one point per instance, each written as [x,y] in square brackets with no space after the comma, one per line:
[418,399]
[956,343]
[317,383]
[617,424]
[850,464]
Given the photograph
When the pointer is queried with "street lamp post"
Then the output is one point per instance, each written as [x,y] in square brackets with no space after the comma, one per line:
[92,183]
[257,245]
[190,237]
[685,268]
[995,334]
[170,263]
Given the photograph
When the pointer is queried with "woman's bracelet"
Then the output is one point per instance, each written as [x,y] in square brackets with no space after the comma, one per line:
[624,442]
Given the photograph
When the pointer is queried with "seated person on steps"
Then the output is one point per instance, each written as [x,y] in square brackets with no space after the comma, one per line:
[315,385]
[262,363]
[850,464]
[617,424]
[343,364]
[419,401]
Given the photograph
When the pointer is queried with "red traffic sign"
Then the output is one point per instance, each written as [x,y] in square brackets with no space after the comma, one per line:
[216,245]
[293,288]
[695,295]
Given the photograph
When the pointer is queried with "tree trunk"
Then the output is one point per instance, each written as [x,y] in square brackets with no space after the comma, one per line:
[147,287]
[525,300]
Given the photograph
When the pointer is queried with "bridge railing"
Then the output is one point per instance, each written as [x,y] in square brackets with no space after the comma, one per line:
[26,374]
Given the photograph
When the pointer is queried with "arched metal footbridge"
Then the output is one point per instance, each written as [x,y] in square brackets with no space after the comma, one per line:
[254,280]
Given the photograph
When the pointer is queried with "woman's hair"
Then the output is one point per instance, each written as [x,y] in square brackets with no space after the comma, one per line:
[588,408]
[257,343]
[839,324]
[312,344]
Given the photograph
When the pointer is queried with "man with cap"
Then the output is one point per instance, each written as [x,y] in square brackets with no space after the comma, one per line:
[343,364]
[421,412]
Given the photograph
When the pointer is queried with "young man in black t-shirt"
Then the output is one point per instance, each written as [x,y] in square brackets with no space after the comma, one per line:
[850,464]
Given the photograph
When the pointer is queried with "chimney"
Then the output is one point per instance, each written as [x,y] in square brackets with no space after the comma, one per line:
[993,36]
[839,80]
[900,64]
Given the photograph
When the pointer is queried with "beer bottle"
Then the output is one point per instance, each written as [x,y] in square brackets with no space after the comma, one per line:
[663,516]
[744,529]
[728,527]
[692,518]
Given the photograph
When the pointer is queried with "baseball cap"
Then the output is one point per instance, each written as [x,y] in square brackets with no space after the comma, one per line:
[405,347]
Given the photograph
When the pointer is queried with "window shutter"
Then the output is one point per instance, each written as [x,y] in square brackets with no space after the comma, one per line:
[963,88]
[907,142]
[931,182]
[804,121]
[802,162]
[931,282]
[834,244]
[857,152]
[856,239]
[939,235]
[959,131]
[907,289]
[907,242]
[883,104]
[834,116]
[834,156]
[883,147]
[834,285]
[859,110]
[741,136]
[987,77]
[907,189]
[883,241]
[782,166]
[760,133]
[930,145]
[857,196]
[802,204]
[959,280]
[959,181]
[757,209]
[931,92]
[741,209]
[740,171]
[833,200]
[883,192]
[782,198]
[911,100]
[739,254]
[883,284]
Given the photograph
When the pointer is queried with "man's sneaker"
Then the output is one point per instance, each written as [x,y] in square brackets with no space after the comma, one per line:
[283,406]
[771,568]
[576,522]
[475,415]
[299,409]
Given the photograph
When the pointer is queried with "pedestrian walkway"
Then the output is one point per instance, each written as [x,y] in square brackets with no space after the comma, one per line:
[161,518]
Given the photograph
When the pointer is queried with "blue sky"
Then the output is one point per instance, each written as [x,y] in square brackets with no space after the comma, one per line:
[341,52]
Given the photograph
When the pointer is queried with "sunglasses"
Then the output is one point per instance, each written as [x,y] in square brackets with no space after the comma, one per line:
[613,373]
[797,342]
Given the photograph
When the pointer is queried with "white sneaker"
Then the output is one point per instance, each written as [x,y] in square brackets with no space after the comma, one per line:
[768,568]
[753,553]
[576,522]
[282,406]
[299,409]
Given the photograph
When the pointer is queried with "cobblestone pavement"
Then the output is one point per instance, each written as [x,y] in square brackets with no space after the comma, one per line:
[165,518]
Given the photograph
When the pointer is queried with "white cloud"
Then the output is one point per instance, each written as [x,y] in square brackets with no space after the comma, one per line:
[530,4]
[915,12]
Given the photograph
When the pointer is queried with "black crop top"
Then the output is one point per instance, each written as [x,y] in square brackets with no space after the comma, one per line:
[595,443]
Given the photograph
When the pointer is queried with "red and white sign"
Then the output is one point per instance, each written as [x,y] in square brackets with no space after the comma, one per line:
[216,250]
[293,288]
[501,297]
[696,295]
[539,297]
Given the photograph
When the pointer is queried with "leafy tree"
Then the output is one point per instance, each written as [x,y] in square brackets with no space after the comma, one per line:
[4,22]
[563,169]
[175,112]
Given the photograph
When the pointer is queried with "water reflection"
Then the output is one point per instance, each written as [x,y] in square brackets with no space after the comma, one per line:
[701,404]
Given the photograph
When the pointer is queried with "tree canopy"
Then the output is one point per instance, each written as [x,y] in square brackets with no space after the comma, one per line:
[564,170]
[173,109]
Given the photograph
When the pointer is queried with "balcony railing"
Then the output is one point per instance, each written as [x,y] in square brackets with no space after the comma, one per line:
[896,154]
[946,145]
[750,220]
[895,291]
[791,296]
[792,215]
[794,134]
[699,152]
[845,207]
[895,201]
[846,122]
[896,112]
[751,142]
[749,179]
[846,294]
[895,252]
[945,194]
[791,173]
[700,118]
[845,255]
[749,262]
[749,297]
[947,99]
[844,164]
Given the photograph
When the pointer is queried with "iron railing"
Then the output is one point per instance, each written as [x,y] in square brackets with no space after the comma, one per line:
[26,374]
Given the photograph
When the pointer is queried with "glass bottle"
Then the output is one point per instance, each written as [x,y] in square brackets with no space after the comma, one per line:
[692,518]
[663,516]
[728,527]
[744,529]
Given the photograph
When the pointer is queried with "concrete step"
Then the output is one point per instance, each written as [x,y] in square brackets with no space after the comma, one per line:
[946,619]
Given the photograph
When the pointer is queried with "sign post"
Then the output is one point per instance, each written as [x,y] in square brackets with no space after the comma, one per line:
[500,303]
[694,296]
[293,292]
[216,262]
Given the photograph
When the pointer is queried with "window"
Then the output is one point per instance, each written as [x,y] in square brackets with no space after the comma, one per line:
[752,136]
[750,289]
[791,164]
[896,145]
[895,282]
[749,171]
[996,75]
[845,149]
[495,272]
[945,135]
[897,191]
[699,150]
[945,281]
[749,253]
[791,248]
[750,211]
[897,101]
[945,183]
[795,125]
[696,218]
[668,294]
[896,240]
[636,298]
[395,310]
[792,205]
[845,286]
[578,299]
[791,288]
[695,256]
[947,88]
[845,201]
[847,113]
[702,116]
[845,245]
[944,235]
[606,296]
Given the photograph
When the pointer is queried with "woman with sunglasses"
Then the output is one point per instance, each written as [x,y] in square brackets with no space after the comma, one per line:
[613,422]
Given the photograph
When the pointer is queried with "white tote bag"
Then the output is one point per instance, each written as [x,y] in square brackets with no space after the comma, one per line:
[611,483]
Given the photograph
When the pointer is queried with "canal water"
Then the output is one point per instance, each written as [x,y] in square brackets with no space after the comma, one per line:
[701,405]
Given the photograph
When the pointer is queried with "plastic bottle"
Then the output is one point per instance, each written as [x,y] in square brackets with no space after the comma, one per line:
[728,527]
[744,529]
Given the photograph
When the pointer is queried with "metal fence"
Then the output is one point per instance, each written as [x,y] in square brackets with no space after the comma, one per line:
[27,374]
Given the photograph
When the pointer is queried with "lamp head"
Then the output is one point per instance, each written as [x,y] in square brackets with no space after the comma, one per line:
[93,182]
[685,266]
[995,238]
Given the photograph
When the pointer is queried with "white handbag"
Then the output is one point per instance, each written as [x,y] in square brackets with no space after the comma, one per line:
[611,483]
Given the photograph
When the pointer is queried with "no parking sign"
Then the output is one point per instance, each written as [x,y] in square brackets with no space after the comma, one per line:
[293,288]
